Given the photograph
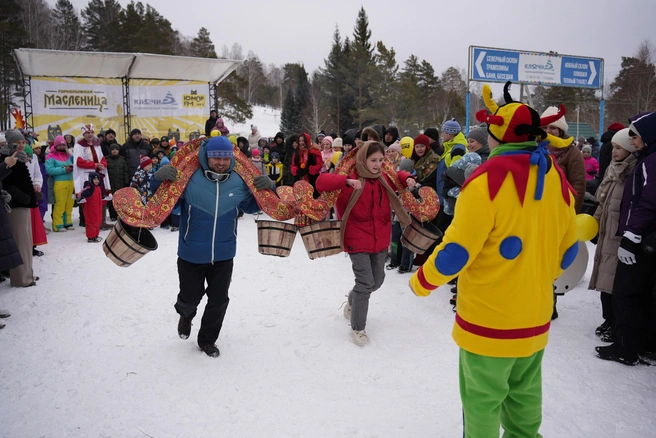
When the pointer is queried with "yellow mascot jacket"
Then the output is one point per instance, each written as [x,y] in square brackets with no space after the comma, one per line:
[513,234]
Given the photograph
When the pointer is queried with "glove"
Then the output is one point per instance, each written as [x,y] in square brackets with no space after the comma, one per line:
[629,246]
[166,173]
[301,172]
[263,182]
[39,196]
[68,169]
[5,150]
[6,197]
[21,156]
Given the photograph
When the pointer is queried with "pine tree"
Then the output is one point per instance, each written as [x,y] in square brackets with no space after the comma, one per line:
[202,46]
[362,64]
[290,117]
[229,103]
[11,37]
[335,75]
[385,94]
[100,25]
[66,28]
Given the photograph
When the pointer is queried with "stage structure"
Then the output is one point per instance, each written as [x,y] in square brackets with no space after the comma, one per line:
[487,64]
[159,94]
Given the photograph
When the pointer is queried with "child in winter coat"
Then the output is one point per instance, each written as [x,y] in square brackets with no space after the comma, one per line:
[119,175]
[141,179]
[591,163]
[266,154]
[275,169]
[609,194]
[93,192]
[256,159]
[365,206]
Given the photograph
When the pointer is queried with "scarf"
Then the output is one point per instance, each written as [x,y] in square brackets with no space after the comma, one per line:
[617,171]
[364,173]
[426,164]
[538,157]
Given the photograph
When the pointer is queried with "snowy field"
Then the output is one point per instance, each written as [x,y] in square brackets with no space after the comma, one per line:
[93,351]
[266,119]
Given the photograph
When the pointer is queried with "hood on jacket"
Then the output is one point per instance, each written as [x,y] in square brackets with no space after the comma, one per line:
[244,141]
[279,135]
[93,175]
[395,134]
[202,157]
[645,126]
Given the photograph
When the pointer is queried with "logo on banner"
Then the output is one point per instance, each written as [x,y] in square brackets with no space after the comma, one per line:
[168,100]
[540,67]
[193,100]
[74,100]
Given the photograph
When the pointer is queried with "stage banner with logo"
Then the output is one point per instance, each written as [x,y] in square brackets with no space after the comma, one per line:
[63,105]
[174,108]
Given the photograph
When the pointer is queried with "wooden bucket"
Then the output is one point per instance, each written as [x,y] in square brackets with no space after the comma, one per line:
[418,237]
[125,244]
[275,238]
[322,239]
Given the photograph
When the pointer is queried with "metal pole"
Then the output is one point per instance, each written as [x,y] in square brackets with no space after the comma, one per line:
[468,110]
[602,105]
[577,123]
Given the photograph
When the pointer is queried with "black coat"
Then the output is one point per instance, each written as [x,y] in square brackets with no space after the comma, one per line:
[19,185]
[606,152]
[118,172]
[209,125]
[133,152]
[9,255]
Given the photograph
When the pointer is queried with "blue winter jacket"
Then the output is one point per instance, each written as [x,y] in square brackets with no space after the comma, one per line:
[208,221]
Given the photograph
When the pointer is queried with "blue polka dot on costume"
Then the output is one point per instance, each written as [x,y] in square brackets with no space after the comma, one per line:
[510,247]
[451,259]
[569,256]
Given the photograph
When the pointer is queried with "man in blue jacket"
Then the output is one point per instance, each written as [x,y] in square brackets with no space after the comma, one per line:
[208,237]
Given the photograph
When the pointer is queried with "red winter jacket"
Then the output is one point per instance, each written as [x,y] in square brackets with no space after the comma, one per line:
[369,226]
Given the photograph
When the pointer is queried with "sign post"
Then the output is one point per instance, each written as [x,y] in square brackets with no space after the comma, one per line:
[535,68]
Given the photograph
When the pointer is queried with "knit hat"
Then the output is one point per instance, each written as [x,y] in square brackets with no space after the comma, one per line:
[348,139]
[114,146]
[622,138]
[513,122]
[255,152]
[145,161]
[587,148]
[451,127]
[254,127]
[233,140]
[422,139]
[321,134]
[275,156]
[28,150]
[135,131]
[329,138]
[87,128]
[158,150]
[337,143]
[163,139]
[395,147]
[219,147]
[61,140]
[479,134]
[432,133]
[110,131]
[615,127]
[560,123]
[407,165]
[13,135]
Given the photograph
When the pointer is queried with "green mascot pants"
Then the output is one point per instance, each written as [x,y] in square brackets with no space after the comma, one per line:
[499,391]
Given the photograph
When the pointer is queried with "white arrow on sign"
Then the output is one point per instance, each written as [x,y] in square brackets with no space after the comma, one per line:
[593,75]
[479,64]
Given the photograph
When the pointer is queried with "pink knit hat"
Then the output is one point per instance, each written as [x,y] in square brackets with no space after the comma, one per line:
[59,140]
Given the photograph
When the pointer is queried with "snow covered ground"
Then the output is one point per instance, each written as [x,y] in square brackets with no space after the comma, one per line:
[93,351]
[266,119]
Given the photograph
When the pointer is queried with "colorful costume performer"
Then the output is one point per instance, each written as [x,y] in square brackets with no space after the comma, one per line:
[513,234]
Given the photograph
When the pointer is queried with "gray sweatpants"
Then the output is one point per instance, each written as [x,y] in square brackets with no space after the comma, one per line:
[369,270]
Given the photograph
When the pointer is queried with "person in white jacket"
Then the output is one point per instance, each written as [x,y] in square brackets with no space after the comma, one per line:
[254,137]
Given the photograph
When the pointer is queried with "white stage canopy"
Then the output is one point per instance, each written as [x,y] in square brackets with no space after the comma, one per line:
[59,63]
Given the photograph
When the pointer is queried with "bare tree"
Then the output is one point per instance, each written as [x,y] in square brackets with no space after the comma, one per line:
[34,15]
[275,76]
[252,70]
[317,118]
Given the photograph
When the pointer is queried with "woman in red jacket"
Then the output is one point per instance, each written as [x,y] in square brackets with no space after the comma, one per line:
[365,205]
[307,161]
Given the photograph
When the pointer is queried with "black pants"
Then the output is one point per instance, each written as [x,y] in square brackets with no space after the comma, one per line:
[635,325]
[112,213]
[192,288]
[607,307]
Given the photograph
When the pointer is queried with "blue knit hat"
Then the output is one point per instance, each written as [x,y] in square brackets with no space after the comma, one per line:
[451,127]
[219,147]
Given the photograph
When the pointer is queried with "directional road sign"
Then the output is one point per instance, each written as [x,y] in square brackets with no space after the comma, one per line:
[501,65]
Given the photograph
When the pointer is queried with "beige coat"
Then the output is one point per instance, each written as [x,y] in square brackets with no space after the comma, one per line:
[571,161]
[609,195]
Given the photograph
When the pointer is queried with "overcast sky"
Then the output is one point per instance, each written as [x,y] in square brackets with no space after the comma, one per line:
[439,31]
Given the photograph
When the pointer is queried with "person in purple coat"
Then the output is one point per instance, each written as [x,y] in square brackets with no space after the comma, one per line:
[635,277]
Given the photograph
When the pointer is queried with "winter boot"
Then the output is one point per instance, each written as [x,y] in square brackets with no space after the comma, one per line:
[95,239]
[36,252]
[210,350]
[359,337]
[403,270]
[2,325]
[4,313]
[391,266]
[614,352]
[184,327]
[607,336]
[347,307]
[647,358]
[602,328]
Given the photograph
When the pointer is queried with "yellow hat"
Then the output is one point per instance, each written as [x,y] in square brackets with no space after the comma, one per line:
[233,140]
